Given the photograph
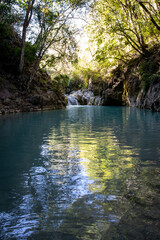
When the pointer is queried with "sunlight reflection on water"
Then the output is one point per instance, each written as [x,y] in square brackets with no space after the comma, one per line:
[88,173]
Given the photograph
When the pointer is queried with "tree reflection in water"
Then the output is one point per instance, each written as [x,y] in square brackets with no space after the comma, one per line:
[102,183]
[97,178]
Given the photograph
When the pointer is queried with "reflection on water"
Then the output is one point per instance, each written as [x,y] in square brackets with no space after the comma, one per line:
[80,173]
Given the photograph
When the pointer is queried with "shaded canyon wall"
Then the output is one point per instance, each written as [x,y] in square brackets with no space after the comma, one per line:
[136,84]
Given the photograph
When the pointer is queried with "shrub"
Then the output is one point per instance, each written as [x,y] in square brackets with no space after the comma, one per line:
[62,79]
[149,66]
[76,83]
[148,70]
[148,79]
[30,52]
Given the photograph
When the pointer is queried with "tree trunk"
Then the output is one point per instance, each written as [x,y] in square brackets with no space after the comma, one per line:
[25,26]
[34,70]
[149,13]
[21,64]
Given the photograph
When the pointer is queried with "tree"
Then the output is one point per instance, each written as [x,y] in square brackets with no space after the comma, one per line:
[46,27]
[54,32]
[8,14]
[29,10]
[46,24]
[120,29]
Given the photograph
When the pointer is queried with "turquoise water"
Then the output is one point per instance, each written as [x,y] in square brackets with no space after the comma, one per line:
[86,173]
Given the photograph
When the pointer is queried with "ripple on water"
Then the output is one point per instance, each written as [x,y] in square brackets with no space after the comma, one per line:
[89,173]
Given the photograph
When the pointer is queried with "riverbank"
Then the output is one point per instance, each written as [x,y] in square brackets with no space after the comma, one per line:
[42,96]
[15,96]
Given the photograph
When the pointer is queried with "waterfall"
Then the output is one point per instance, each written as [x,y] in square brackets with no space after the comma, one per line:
[72,100]
[83,97]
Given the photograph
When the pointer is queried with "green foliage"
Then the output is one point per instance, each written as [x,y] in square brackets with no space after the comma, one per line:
[9,48]
[15,52]
[76,82]
[7,16]
[30,52]
[121,29]
[42,81]
[117,31]
[96,77]
[77,3]
[5,32]
[62,79]
[65,83]
[149,66]
[148,70]
[148,79]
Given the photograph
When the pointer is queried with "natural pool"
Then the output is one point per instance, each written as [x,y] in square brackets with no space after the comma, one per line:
[86,172]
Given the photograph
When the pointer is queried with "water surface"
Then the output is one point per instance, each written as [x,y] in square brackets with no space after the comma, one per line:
[86,173]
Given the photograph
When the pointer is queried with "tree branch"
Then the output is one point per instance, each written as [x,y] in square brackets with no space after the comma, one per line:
[149,13]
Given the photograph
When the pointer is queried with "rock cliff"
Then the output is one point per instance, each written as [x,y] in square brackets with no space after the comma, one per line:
[43,93]
[42,96]
[136,84]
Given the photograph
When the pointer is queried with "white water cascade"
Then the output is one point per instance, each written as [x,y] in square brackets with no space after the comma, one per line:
[83,97]
[72,100]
